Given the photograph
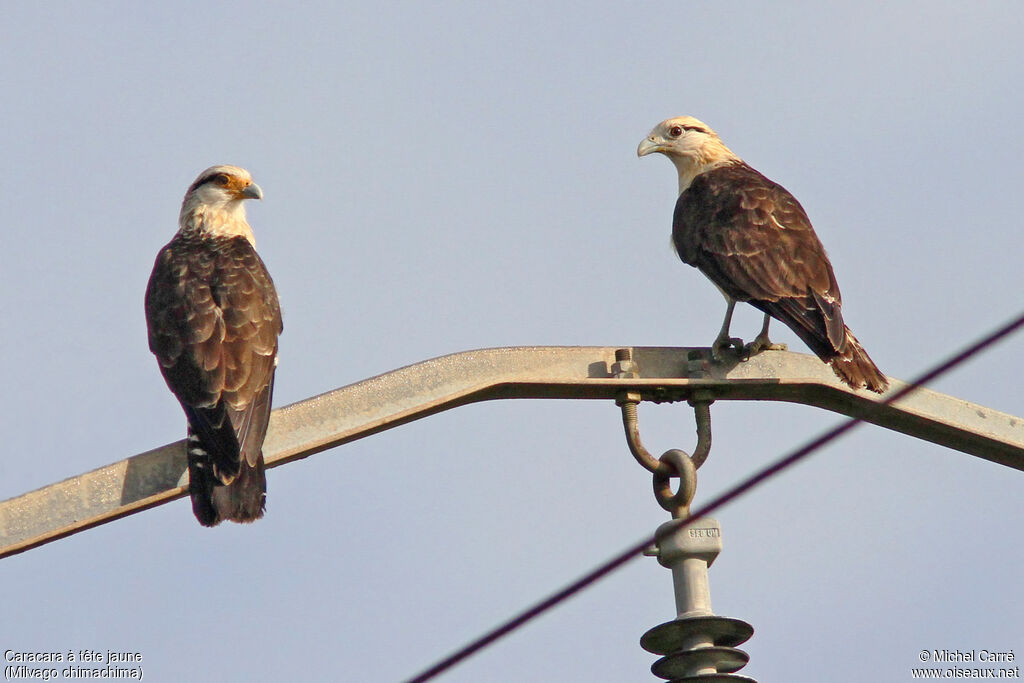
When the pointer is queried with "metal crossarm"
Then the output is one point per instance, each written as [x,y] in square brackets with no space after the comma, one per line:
[555,372]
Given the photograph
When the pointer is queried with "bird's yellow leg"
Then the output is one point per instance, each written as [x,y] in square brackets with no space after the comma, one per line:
[723,340]
[762,342]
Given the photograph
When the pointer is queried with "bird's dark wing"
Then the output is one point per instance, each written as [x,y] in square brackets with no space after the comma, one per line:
[752,238]
[252,319]
[213,319]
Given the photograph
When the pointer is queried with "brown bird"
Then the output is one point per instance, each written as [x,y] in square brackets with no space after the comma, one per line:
[213,319]
[753,240]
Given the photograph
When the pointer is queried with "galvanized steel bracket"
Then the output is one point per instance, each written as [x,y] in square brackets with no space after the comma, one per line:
[553,372]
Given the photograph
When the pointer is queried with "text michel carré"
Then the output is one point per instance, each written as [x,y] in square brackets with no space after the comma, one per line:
[111,657]
[971,656]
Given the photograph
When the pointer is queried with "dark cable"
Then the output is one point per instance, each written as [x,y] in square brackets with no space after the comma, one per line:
[775,468]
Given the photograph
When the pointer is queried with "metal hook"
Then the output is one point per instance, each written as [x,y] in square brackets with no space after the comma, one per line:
[674,462]
[701,402]
[628,401]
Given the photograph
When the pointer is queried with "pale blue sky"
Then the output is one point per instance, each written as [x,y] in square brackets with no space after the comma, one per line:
[448,176]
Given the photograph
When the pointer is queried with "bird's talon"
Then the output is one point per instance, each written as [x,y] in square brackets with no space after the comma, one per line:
[724,343]
[762,344]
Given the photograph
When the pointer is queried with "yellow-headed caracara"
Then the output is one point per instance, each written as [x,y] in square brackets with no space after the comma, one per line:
[752,239]
[214,319]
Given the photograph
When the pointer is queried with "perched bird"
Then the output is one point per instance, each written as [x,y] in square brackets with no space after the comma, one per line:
[753,240]
[213,319]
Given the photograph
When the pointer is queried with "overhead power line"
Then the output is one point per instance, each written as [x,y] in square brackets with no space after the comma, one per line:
[729,495]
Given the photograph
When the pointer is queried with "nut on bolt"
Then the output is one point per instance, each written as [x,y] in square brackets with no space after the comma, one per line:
[627,397]
[624,366]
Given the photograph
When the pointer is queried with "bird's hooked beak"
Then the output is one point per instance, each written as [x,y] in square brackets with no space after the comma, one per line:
[648,145]
[251,191]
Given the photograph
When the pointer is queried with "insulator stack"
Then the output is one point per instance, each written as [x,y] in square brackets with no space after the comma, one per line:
[697,645]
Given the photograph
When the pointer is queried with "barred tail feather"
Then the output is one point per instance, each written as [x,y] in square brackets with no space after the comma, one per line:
[855,367]
[200,489]
[243,500]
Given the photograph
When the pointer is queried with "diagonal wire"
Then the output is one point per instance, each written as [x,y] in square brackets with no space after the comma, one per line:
[762,475]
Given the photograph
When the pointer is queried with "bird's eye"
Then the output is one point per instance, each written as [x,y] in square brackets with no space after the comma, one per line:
[675,131]
[221,179]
